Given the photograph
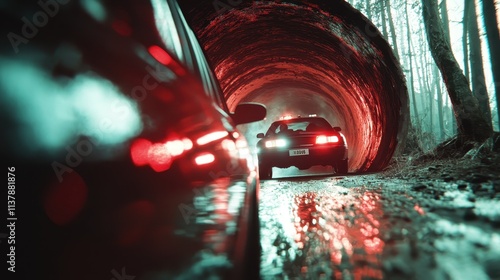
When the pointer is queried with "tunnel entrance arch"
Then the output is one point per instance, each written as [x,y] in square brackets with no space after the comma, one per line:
[322,57]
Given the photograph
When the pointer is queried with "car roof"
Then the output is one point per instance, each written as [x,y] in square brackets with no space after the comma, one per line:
[300,119]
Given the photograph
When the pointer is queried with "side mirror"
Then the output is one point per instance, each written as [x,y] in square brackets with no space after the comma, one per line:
[337,128]
[260,135]
[249,112]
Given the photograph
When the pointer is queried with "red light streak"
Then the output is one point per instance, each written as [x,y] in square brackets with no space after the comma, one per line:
[213,136]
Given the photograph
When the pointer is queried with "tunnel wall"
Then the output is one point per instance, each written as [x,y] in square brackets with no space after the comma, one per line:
[309,57]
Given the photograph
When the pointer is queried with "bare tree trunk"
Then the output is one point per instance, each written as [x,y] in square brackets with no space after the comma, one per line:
[393,30]
[382,16]
[420,78]
[472,124]
[491,26]
[451,116]
[368,9]
[430,97]
[412,84]
[439,96]
[477,72]
[426,62]
[446,25]
[431,107]
[422,86]
[444,18]
[443,7]
[465,36]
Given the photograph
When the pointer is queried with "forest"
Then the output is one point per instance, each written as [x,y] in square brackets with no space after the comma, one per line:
[447,52]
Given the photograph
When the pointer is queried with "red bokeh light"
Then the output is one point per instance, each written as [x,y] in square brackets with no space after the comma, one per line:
[160,54]
[139,151]
[121,27]
[159,157]
[175,147]
[65,200]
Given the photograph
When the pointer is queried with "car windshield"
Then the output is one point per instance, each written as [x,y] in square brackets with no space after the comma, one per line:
[299,125]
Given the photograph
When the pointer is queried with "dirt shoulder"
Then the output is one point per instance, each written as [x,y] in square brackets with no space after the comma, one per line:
[458,234]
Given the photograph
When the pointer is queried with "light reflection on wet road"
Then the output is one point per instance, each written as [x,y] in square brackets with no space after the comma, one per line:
[324,228]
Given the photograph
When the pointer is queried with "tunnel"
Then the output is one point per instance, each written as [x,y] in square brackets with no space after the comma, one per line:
[308,57]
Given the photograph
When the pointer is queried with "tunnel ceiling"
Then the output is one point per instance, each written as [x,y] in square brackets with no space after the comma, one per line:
[308,57]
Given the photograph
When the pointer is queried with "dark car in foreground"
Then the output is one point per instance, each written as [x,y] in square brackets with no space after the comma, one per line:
[127,162]
[301,142]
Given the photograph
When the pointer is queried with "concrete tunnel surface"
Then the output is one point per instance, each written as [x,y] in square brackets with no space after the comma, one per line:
[308,57]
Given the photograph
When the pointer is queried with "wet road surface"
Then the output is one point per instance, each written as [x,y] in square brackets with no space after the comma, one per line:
[321,226]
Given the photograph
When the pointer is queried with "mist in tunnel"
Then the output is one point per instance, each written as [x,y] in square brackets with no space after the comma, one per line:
[309,57]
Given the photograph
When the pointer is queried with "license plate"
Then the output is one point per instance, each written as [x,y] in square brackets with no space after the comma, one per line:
[298,152]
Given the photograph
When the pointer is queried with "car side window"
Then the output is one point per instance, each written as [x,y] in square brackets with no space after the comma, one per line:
[184,44]
[168,28]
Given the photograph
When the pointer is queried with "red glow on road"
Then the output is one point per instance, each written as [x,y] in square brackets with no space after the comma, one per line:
[160,54]
[356,241]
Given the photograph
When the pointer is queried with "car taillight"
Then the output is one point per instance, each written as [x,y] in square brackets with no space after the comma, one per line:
[211,137]
[158,156]
[205,158]
[275,143]
[323,139]
[160,55]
